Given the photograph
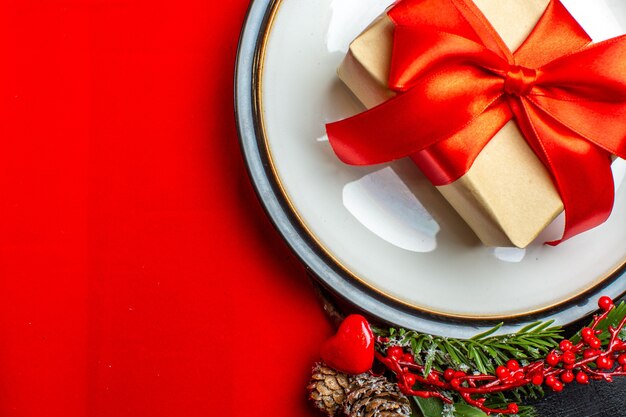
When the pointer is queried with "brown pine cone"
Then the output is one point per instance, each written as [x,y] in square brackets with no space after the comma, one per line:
[375,396]
[328,389]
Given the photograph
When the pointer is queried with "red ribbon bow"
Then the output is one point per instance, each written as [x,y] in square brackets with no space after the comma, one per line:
[459,85]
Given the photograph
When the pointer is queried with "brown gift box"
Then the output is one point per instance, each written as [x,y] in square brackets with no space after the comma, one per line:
[507,197]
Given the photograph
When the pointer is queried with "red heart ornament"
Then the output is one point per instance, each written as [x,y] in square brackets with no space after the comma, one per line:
[351,350]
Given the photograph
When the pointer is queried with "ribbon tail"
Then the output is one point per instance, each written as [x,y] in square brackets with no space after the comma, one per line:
[580,170]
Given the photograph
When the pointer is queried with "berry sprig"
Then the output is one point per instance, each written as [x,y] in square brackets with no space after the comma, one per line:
[587,356]
[409,374]
[582,361]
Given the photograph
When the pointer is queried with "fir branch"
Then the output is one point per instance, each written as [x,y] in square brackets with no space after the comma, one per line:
[484,352]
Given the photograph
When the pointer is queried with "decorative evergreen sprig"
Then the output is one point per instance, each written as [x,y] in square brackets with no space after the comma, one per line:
[492,373]
[489,374]
[483,352]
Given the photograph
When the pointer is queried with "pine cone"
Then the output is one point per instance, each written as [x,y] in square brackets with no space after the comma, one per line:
[328,389]
[375,396]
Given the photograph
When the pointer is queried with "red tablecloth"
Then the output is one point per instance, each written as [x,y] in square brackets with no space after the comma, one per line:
[138,273]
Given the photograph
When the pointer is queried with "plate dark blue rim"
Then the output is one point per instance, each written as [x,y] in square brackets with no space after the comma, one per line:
[321,266]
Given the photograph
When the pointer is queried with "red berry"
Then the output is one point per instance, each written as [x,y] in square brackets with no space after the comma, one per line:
[409,379]
[459,374]
[456,383]
[569,357]
[567,377]
[553,359]
[566,345]
[587,333]
[605,303]
[550,381]
[557,387]
[395,352]
[602,362]
[594,342]
[519,375]
[407,357]
[502,372]
[582,378]
[513,365]
[432,377]
[512,408]
[621,359]
[448,374]
[537,379]
[589,353]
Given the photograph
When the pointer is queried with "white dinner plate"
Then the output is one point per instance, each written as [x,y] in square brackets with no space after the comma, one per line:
[382,237]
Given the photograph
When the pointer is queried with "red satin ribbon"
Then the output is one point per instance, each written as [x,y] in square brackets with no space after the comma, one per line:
[459,84]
